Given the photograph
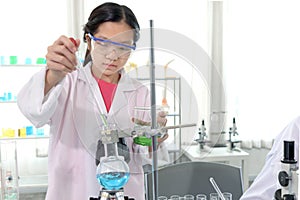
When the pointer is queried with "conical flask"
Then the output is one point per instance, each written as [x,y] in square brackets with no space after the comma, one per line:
[112,171]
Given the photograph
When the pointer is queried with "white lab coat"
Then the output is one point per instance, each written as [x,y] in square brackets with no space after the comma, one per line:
[266,183]
[72,113]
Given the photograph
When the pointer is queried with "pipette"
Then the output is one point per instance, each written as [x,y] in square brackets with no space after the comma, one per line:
[79,65]
[214,184]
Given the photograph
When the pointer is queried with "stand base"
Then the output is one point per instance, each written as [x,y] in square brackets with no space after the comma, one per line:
[285,197]
[111,195]
[98,198]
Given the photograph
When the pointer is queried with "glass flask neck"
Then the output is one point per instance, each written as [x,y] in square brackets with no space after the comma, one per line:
[111,149]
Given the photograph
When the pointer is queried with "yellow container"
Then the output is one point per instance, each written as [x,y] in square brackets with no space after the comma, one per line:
[22,132]
[8,132]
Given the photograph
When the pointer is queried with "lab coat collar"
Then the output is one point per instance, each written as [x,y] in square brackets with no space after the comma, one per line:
[88,72]
[126,84]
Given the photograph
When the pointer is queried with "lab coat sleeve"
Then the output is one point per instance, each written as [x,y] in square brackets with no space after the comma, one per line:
[37,107]
[266,183]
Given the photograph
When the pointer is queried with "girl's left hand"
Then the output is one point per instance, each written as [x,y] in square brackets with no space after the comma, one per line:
[161,119]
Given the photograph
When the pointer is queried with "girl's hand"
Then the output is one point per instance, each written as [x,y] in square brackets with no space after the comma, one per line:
[161,119]
[60,59]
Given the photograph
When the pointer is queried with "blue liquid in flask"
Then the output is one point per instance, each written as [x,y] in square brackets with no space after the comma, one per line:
[113,180]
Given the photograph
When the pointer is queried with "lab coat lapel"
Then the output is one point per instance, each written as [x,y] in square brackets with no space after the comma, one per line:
[95,93]
[120,99]
[86,115]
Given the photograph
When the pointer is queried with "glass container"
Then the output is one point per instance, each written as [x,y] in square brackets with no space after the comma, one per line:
[112,171]
[9,170]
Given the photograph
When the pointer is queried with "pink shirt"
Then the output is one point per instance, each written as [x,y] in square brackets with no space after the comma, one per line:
[108,92]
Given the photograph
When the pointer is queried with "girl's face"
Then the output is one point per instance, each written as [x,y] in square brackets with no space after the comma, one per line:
[110,47]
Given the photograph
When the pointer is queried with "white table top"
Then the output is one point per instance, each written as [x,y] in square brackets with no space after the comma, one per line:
[213,154]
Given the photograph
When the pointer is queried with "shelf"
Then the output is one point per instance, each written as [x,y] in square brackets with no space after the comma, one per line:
[19,65]
[25,138]
[8,101]
[33,184]
[173,115]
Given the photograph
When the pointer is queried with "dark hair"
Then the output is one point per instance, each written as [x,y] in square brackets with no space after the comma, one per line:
[110,12]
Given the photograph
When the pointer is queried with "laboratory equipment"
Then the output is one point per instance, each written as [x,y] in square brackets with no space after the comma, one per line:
[216,187]
[142,132]
[175,197]
[227,195]
[162,198]
[112,171]
[202,136]
[188,197]
[9,170]
[201,197]
[288,177]
[213,196]
[232,137]
[142,125]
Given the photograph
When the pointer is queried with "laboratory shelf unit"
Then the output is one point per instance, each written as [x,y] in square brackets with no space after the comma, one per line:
[31,151]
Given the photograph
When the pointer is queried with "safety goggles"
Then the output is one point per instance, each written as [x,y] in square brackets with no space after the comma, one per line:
[121,49]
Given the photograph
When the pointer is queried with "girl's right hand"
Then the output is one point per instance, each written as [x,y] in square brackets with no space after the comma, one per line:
[61,59]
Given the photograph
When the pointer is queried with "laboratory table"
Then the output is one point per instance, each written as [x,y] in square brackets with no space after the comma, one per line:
[220,154]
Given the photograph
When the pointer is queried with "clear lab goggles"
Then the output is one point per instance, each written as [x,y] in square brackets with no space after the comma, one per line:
[106,46]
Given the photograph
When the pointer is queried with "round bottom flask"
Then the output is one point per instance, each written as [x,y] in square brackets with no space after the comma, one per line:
[112,172]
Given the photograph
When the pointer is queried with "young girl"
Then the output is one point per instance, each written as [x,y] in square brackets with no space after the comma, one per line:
[71,100]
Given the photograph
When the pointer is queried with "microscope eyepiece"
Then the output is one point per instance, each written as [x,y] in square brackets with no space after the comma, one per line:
[289,152]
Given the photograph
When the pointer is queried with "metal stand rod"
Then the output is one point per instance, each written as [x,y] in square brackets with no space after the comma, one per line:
[178,126]
[153,116]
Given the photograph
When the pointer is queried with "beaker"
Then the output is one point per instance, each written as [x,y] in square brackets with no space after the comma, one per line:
[227,195]
[175,197]
[213,196]
[189,197]
[112,171]
[162,198]
[201,197]
[142,124]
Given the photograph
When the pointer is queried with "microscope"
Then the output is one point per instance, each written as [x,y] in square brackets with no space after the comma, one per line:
[202,136]
[232,134]
[288,177]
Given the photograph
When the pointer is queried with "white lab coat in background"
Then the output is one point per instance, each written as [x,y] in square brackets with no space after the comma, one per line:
[74,118]
[266,183]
